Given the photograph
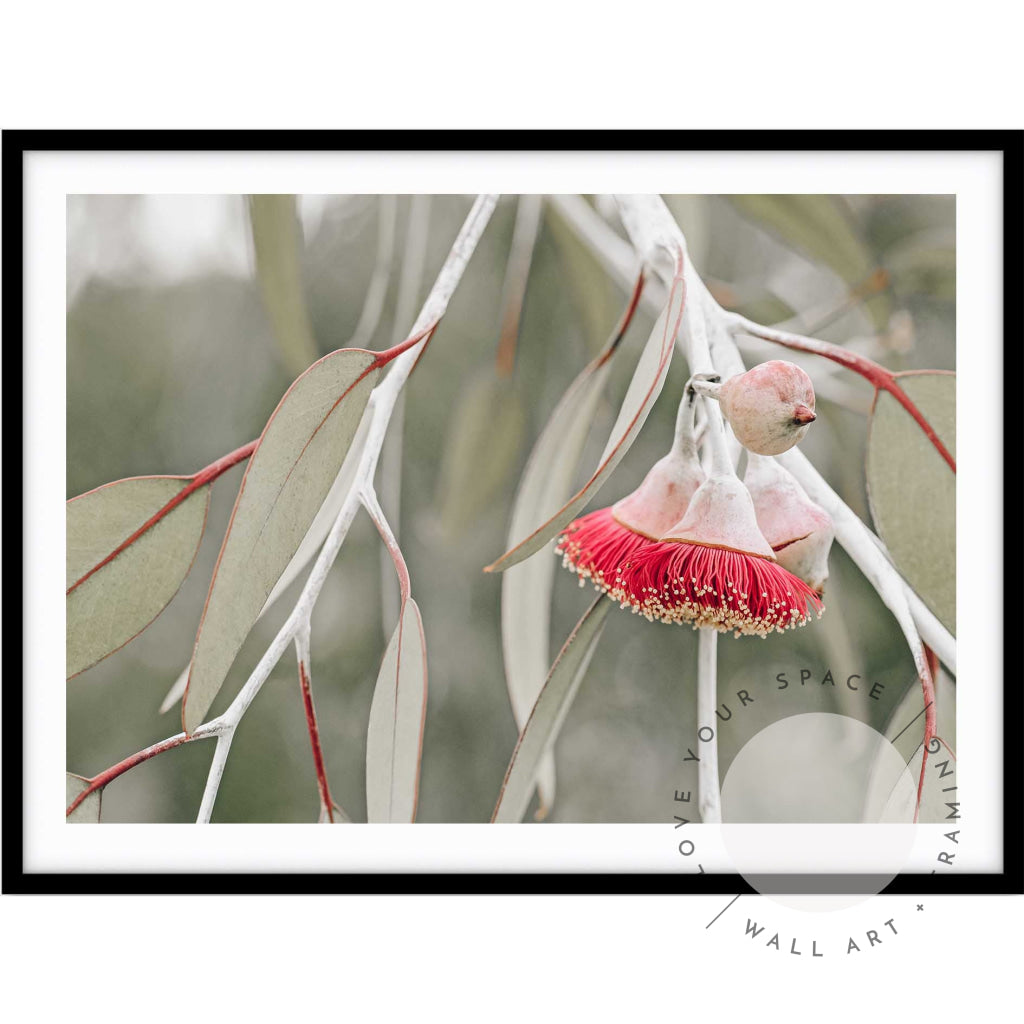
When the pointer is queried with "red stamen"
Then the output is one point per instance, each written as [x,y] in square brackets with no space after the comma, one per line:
[596,544]
[680,582]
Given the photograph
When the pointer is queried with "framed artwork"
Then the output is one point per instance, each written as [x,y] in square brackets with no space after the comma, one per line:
[574,514]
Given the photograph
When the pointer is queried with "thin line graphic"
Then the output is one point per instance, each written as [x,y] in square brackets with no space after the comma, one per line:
[722,911]
[911,722]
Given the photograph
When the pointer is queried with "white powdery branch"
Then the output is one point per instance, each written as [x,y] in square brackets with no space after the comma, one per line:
[379,408]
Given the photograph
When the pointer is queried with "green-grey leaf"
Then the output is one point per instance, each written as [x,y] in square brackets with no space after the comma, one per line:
[483,444]
[88,811]
[644,388]
[526,588]
[108,606]
[290,474]
[545,721]
[822,228]
[394,738]
[912,490]
[277,242]
[310,546]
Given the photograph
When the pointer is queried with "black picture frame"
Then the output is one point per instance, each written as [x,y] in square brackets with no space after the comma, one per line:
[15,146]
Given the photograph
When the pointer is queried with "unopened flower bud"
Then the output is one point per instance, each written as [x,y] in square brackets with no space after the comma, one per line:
[769,407]
[799,531]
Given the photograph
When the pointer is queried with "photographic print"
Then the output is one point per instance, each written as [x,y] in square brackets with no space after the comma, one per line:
[627,518]
[566,413]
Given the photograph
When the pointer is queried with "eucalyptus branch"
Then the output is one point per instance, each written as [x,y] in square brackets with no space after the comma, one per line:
[214,776]
[382,401]
[619,258]
[380,406]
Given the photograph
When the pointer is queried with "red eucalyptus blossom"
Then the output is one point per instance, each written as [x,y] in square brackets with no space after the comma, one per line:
[711,567]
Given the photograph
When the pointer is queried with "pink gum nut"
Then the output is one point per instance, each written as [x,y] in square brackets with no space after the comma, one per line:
[769,407]
[596,544]
[799,531]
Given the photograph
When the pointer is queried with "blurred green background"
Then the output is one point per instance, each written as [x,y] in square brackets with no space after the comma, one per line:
[172,362]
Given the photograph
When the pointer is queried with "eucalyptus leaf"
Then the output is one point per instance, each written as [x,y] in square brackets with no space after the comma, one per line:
[110,600]
[644,388]
[277,242]
[549,712]
[912,490]
[307,550]
[394,738]
[821,227]
[88,811]
[526,588]
[286,482]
